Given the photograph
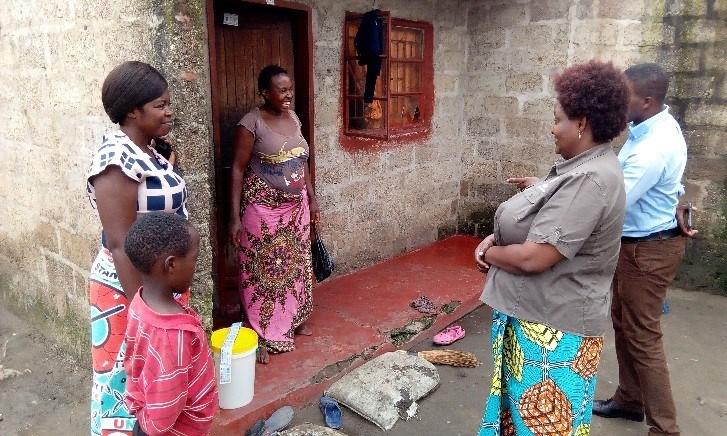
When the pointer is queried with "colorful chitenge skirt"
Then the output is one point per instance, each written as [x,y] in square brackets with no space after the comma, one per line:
[543,380]
[276,273]
[109,309]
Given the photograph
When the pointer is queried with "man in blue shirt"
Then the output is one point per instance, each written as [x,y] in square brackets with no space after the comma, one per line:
[653,160]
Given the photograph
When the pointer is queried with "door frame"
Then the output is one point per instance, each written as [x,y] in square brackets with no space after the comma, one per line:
[301,17]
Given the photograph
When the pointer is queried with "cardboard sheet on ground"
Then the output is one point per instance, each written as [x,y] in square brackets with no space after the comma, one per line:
[386,388]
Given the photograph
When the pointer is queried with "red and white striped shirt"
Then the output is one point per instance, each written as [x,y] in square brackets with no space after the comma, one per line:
[170,375]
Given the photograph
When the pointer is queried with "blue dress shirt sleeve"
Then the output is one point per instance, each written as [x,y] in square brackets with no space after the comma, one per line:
[641,172]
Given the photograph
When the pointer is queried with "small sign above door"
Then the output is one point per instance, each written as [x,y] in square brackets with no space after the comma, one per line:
[230,19]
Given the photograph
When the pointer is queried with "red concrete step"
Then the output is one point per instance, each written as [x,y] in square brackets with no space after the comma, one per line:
[352,317]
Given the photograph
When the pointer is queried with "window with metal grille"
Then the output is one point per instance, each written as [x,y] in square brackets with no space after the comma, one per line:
[403,95]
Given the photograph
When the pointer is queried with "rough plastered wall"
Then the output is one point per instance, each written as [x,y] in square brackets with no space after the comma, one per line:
[382,202]
[54,56]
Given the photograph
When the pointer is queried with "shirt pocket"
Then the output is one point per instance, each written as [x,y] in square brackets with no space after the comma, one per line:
[517,217]
[527,203]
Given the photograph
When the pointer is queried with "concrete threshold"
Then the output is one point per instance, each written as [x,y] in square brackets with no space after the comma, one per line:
[359,316]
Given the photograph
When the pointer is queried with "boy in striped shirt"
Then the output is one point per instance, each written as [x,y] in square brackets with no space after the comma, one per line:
[170,387]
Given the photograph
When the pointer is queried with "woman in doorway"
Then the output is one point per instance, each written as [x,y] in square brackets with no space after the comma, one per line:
[127,177]
[272,204]
[551,261]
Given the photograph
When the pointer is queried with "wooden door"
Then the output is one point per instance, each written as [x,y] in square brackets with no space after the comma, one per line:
[259,38]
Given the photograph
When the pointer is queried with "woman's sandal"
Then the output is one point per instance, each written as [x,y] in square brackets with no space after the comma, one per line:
[449,335]
[424,305]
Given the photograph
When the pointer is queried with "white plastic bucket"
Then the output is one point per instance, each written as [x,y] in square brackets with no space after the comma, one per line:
[240,390]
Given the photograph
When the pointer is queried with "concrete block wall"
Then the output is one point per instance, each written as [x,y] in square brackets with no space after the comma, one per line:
[696,59]
[54,56]
[493,67]
[515,50]
[381,202]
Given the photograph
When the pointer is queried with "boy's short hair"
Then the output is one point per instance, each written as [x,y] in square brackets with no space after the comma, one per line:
[154,234]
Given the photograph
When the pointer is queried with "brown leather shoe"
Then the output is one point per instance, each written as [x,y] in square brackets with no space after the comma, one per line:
[609,409]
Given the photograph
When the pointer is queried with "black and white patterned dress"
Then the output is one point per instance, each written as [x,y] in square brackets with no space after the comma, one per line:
[160,189]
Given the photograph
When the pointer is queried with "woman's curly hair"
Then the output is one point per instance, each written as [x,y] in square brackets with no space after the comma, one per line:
[598,91]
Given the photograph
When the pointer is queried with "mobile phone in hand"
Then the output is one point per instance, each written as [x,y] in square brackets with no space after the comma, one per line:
[688,216]
[163,147]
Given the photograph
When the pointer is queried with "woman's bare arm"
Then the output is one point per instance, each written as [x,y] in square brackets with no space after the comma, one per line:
[116,197]
[315,213]
[242,151]
[523,259]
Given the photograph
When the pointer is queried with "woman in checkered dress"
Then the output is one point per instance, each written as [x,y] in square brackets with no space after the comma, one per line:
[127,177]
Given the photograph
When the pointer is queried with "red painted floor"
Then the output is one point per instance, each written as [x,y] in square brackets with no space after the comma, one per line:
[351,318]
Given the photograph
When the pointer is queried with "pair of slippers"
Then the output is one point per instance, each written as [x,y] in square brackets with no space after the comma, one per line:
[331,412]
[280,419]
[449,335]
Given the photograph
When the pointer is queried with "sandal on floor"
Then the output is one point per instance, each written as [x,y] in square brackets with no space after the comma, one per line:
[331,412]
[449,335]
[256,429]
[424,305]
[280,419]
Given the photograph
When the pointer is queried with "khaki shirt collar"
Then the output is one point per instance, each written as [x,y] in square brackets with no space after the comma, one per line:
[563,166]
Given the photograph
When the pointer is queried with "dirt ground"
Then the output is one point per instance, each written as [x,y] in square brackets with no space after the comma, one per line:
[43,393]
[696,354]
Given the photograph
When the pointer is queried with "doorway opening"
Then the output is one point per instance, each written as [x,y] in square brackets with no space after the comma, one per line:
[244,36]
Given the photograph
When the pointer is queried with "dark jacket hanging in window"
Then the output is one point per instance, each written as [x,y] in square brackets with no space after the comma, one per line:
[369,42]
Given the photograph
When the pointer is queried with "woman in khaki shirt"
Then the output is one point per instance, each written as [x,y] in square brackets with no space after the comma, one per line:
[551,259]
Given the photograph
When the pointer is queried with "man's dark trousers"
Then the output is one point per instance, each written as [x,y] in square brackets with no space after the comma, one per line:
[643,272]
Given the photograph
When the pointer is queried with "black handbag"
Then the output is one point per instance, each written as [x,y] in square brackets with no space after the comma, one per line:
[322,262]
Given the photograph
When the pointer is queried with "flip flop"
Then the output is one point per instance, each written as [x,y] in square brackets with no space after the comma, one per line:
[424,305]
[331,412]
[256,429]
[280,419]
[449,335]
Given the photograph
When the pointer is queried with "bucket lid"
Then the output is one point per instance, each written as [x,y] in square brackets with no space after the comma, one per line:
[245,341]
